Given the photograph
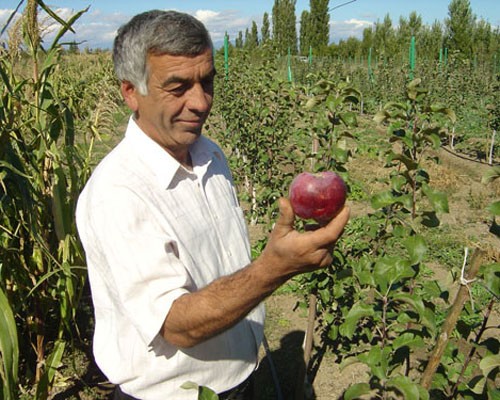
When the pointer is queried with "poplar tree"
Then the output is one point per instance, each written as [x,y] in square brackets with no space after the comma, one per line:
[238,43]
[482,39]
[384,37]
[305,32]
[265,31]
[319,25]
[252,37]
[431,40]
[460,27]
[367,42]
[409,27]
[284,26]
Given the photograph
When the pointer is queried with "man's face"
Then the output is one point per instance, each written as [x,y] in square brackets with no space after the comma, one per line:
[179,99]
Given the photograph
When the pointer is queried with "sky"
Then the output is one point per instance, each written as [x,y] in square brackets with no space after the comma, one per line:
[97,27]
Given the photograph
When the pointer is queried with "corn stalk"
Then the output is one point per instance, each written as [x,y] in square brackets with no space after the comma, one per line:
[41,173]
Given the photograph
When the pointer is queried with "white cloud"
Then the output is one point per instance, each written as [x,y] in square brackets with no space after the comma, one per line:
[95,29]
[206,15]
[218,23]
[5,15]
[348,28]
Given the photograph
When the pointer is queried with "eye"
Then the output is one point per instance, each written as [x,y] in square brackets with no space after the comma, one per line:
[178,89]
[208,84]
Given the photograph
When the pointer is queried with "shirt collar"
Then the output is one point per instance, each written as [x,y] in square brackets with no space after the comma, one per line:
[163,164]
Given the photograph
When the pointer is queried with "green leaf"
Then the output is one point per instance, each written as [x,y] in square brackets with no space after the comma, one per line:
[411,299]
[349,119]
[489,363]
[491,175]
[52,363]
[66,25]
[356,390]
[190,385]
[414,83]
[381,117]
[311,103]
[389,270]
[416,247]
[424,394]
[405,386]
[477,385]
[332,103]
[204,393]
[396,106]
[494,208]
[325,295]
[410,164]
[491,277]
[439,200]
[408,339]
[398,182]
[383,199]
[428,319]
[434,140]
[358,311]
[493,393]
[377,359]
[9,349]
[439,108]
[61,213]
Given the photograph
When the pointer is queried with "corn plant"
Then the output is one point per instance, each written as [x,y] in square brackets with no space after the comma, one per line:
[42,171]
[9,349]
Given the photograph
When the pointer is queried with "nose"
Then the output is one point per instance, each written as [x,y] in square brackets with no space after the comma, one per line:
[199,99]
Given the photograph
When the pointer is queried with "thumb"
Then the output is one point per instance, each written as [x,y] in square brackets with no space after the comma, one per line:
[286,216]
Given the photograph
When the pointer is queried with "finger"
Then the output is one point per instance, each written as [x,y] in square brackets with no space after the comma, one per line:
[286,216]
[333,230]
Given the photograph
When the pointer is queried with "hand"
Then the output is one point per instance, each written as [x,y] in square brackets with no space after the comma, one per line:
[289,252]
[197,316]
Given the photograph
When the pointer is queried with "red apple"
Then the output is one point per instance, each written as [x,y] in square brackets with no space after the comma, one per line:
[319,196]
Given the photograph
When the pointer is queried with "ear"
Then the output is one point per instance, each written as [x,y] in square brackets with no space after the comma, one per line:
[130,93]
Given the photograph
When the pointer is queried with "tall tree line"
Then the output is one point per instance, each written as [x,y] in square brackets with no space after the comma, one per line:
[284,26]
[461,33]
[315,28]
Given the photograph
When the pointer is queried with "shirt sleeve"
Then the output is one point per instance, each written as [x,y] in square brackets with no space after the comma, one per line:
[137,261]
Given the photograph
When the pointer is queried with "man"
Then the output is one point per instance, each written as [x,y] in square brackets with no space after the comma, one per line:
[176,295]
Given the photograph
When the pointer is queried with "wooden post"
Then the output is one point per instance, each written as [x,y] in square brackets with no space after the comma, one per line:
[451,321]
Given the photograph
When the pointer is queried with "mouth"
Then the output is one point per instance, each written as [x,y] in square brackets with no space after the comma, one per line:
[193,126]
[194,123]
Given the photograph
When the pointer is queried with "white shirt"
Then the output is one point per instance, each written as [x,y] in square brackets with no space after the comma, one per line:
[153,231]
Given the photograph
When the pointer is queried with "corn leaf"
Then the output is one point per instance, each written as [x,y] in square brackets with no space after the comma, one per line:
[9,348]
[52,363]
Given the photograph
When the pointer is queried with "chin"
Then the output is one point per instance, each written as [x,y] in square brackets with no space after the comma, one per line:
[195,132]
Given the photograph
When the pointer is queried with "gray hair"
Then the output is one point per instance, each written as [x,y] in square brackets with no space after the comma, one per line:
[156,32]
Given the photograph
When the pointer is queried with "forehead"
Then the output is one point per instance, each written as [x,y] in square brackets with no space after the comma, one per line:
[167,64]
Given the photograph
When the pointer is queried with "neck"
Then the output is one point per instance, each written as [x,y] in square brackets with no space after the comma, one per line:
[184,160]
